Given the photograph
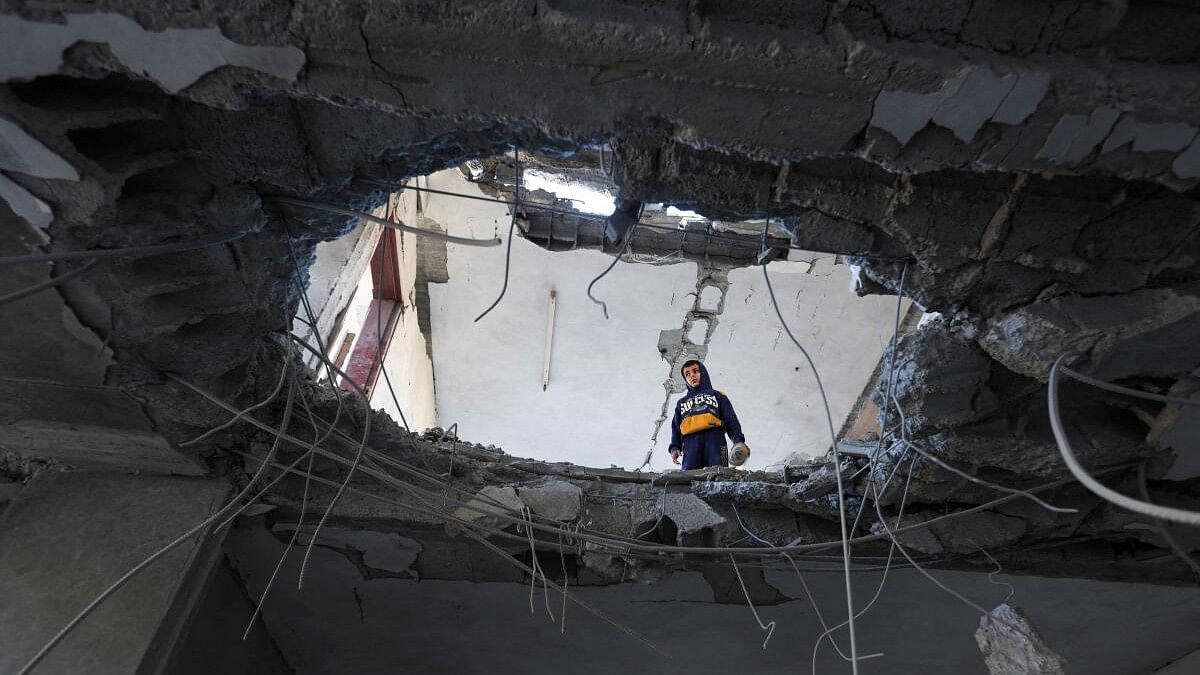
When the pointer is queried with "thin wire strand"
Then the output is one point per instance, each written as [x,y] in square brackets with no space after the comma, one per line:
[837,472]
[1116,388]
[886,569]
[512,226]
[331,208]
[979,481]
[48,283]
[127,252]
[970,603]
[353,467]
[768,627]
[616,259]
[562,561]
[889,395]
[1099,489]
[1163,530]
[299,521]
[284,371]
[1012,590]
[312,324]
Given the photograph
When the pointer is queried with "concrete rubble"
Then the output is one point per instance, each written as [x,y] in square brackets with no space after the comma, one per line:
[554,499]
[1012,646]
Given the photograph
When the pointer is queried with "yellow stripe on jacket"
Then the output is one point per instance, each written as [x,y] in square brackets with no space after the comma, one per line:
[698,422]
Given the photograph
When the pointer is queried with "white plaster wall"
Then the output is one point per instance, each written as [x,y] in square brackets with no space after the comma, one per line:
[771,386]
[606,384]
[605,377]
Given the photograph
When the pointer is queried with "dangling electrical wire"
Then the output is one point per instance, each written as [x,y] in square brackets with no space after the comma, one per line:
[299,522]
[1108,386]
[48,283]
[349,474]
[284,371]
[1163,531]
[837,472]
[1099,489]
[127,252]
[469,531]
[512,226]
[1012,590]
[312,321]
[616,259]
[768,627]
[979,481]
[886,568]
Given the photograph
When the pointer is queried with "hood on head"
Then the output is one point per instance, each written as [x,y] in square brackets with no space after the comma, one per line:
[704,381]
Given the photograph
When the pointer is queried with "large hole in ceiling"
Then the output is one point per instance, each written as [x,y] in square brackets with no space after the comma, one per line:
[551,374]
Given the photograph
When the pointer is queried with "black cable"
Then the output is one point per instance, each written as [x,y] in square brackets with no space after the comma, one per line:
[49,283]
[511,227]
[131,251]
[312,322]
[616,259]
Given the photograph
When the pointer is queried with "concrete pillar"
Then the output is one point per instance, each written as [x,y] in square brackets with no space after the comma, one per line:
[68,535]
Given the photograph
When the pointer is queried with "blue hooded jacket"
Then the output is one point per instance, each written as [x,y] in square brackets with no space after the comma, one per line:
[702,419]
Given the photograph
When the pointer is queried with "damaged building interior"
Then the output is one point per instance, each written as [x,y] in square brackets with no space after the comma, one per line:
[346,336]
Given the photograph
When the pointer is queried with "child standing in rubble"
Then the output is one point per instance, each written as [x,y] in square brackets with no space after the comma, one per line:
[702,419]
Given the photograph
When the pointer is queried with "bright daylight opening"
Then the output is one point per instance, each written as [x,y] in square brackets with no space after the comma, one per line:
[545,374]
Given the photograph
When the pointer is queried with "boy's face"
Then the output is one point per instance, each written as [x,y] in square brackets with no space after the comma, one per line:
[691,373]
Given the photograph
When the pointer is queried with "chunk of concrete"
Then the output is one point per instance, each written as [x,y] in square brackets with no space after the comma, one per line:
[556,500]
[690,514]
[1011,646]
[489,501]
